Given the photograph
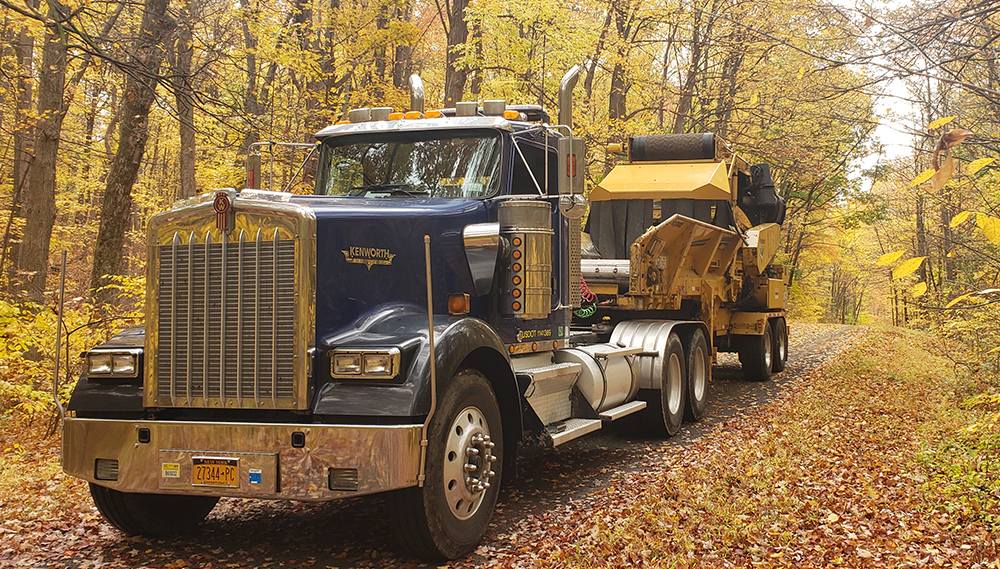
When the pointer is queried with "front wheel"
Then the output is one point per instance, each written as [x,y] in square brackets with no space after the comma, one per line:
[448,516]
[151,515]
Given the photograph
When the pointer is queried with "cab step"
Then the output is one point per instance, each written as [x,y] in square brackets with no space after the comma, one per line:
[620,411]
[565,431]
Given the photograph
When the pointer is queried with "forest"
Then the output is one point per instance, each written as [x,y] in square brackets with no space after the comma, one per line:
[111,110]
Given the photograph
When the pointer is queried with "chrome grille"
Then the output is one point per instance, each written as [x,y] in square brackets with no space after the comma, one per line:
[226,322]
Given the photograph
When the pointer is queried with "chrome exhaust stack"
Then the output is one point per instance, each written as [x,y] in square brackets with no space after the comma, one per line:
[416,93]
[566,96]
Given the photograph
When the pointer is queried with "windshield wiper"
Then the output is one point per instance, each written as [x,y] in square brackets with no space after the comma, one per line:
[393,189]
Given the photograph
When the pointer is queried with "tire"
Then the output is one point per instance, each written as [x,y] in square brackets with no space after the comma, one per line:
[448,517]
[756,355]
[698,369]
[151,515]
[664,411]
[780,352]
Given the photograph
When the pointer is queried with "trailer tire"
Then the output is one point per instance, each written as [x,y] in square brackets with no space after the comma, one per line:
[756,355]
[698,369]
[448,517]
[780,353]
[664,411]
[151,515]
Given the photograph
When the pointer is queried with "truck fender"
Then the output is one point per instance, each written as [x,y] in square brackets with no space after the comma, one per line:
[651,336]
[472,343]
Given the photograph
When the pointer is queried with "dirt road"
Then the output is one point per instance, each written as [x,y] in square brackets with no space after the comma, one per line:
[356,533]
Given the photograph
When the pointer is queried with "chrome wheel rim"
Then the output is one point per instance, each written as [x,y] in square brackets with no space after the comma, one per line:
[674,384]
[468,463]
[767,348]
[699,375]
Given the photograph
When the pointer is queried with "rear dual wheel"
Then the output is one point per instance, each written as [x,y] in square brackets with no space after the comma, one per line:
[684,385]
[780,353]
[756,355]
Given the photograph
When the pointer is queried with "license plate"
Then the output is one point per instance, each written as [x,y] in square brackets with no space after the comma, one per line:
[211,471]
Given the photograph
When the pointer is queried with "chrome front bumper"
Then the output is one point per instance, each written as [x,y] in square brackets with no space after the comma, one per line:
[382,457]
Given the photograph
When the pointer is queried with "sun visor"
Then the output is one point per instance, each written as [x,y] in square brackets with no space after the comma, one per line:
[664,180]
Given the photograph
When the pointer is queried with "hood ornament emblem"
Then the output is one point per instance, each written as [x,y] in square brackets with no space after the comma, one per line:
[224,213]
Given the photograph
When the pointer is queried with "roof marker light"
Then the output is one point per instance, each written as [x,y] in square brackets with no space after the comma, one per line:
[432,114]
[395,116]
[413,115]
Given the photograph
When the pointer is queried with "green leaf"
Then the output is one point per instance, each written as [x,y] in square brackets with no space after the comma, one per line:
[907,267]
[958,299]
[918,289]
[990,226]
[960,218]
[923,177]
[938,123]
[977,165]
[889,258]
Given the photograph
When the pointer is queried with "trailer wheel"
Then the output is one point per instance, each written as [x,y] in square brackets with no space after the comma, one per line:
[664,411]
[780,353]
[448,516]
[151,515]
[756,355]
[698,368]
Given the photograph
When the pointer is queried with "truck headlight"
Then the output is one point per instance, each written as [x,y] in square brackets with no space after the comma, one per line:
[114,364]
[365,364]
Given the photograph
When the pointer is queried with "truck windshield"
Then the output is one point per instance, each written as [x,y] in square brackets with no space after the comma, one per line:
[458,165]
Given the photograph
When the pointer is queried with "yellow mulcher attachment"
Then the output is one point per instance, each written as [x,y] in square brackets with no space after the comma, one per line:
[714,230]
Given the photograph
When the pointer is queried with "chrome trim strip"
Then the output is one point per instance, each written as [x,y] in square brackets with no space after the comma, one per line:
[274,324]
[256,319]
[173,323]
[239,320]
[190,314]
[386,456]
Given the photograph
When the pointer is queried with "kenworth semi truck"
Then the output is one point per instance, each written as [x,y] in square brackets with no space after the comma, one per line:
[438,302]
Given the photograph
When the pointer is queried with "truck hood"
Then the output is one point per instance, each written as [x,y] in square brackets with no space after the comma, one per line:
[370,252]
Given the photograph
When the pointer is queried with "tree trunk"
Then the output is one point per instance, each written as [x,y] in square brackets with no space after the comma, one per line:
[184,96]
[40,197]
[458,32]
[23,129]
[402,61]
[140,91]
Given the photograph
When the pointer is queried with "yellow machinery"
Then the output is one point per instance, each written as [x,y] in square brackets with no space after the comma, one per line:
[710,227]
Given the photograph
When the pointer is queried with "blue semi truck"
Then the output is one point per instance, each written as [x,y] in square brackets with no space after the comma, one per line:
[437,303]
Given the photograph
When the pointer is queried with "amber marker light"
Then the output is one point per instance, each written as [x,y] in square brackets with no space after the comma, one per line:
[534,346]
[517,241]
[516,306]
[432,114]
[517,267]
[413,115]
[395,116]
[511,115]
[516,292]
[516,280]
[516,255]
[458,303]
